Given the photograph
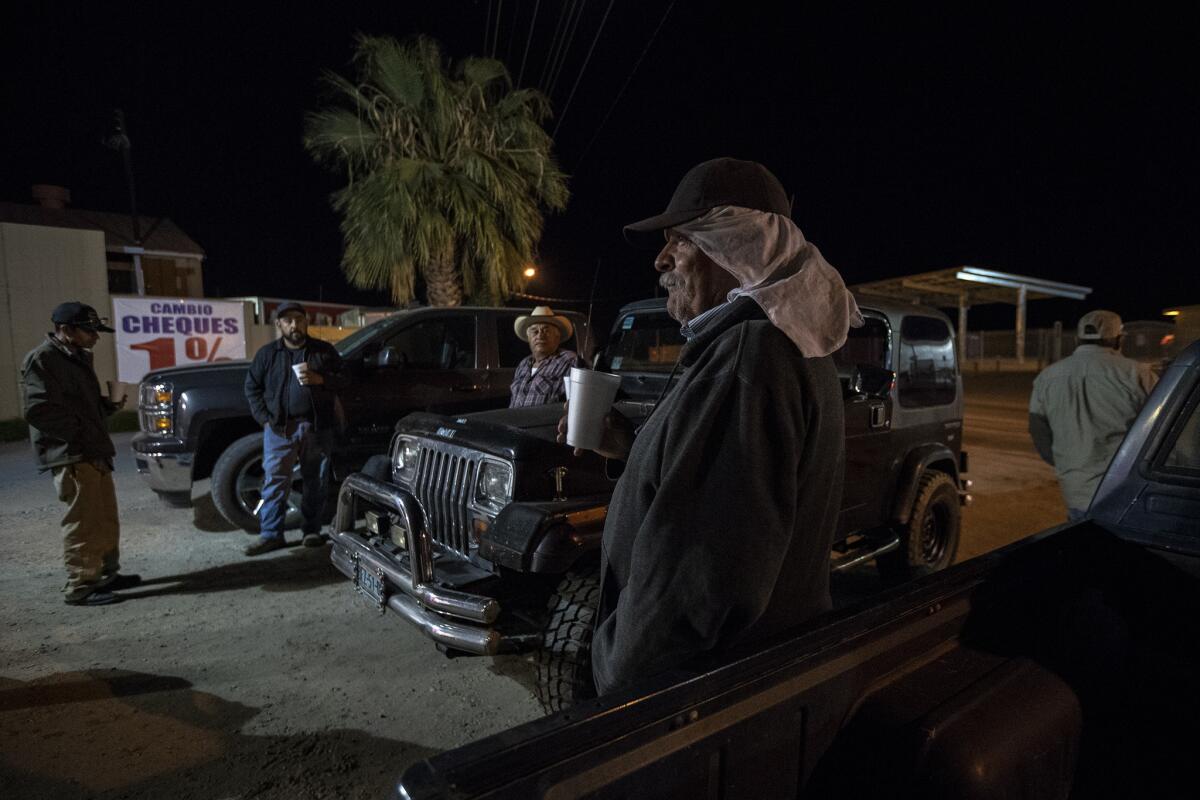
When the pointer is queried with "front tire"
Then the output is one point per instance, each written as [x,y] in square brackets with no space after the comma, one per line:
[564,662]
[237,480]
[929,541]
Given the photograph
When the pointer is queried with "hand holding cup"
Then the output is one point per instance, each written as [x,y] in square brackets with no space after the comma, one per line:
[306,376]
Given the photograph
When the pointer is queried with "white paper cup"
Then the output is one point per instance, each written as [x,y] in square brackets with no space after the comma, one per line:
[591,396]
[117,391]
[296,369]
[567,386]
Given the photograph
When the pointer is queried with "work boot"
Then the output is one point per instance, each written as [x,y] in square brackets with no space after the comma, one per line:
[265,546]
[313,539]
[91,597]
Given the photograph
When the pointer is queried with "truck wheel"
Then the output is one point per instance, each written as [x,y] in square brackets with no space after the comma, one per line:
[929,541]
[237,485]
[564,662]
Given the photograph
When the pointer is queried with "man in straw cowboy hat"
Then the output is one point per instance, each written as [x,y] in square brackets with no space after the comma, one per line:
[719,529]
[539,377]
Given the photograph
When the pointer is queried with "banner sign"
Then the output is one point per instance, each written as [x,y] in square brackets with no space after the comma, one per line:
[159,332]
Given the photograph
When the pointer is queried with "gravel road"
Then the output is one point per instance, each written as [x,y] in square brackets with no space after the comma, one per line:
[221,676]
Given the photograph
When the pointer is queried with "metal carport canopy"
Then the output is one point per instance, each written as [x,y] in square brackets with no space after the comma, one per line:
[963,287]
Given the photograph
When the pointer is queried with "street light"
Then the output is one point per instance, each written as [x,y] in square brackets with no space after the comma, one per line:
[530,272]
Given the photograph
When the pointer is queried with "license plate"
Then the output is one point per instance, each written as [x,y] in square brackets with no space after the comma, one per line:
[370,585]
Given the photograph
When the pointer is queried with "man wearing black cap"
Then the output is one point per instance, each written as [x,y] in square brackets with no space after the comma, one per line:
[292,390]
[720,527]
[66,415]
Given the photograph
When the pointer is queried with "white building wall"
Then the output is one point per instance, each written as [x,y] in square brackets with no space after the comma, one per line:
[41,267]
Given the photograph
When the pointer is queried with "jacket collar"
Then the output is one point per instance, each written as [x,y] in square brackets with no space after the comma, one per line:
[724,317]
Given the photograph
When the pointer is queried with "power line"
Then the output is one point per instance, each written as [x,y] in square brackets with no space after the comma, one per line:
[567,47]
[582,69]
[554,42]
[512,30]
[496,33]
[532,25]
[487,27]
[624,86]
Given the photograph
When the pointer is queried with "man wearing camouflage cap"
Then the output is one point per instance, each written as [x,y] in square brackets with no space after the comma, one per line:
[66,415]
[1082,406]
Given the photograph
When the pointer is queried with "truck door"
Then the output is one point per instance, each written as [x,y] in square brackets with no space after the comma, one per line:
[431,366]
[1151,491]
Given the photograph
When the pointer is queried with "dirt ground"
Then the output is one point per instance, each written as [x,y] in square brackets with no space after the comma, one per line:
[228,677]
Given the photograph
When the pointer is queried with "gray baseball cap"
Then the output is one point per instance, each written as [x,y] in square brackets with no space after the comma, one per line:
[1099,324]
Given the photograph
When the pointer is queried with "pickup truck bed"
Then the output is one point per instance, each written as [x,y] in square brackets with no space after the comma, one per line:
[1063,663]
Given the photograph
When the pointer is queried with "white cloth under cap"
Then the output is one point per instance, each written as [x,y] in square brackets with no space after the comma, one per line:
[798,290]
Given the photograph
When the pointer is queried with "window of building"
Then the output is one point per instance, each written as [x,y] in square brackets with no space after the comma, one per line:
[925,364]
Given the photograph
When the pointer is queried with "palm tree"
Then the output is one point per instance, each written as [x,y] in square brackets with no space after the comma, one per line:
[446,172]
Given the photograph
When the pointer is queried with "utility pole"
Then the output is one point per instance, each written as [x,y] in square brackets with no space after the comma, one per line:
[118,139]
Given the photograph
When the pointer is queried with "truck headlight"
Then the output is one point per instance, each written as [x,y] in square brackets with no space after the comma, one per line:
[494,487]
[404,459]
[156,408]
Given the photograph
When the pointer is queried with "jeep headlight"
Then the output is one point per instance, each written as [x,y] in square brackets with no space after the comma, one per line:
[493,489]
[404,459]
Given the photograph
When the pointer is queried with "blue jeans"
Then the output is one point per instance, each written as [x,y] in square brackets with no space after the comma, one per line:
[313,449]
[1076,514]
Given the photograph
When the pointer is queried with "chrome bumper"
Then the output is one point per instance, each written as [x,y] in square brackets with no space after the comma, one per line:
[458,620]
[165,473]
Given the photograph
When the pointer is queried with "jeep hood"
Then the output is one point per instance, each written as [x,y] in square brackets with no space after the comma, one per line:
[511,433]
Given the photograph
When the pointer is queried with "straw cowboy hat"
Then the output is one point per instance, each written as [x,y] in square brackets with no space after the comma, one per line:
[542,315]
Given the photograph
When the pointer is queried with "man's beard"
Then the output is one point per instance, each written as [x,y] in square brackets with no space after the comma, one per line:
[297,337]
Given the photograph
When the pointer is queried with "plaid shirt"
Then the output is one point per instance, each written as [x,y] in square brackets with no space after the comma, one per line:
[546,386]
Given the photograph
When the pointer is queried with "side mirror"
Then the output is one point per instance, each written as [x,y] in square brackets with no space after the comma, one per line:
[387,357]
[871,381]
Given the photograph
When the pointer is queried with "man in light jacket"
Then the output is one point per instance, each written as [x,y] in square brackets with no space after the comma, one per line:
[1082,406]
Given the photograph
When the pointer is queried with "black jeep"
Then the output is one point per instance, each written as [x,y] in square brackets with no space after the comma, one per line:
[487,535]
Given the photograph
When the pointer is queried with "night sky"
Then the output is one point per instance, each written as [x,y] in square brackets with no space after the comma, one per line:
[1055,144]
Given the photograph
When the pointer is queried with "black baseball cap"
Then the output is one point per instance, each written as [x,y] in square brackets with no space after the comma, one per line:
[291,305]
[719,182]
[80,315]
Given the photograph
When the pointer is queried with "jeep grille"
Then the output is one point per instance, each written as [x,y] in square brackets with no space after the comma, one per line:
[443,485]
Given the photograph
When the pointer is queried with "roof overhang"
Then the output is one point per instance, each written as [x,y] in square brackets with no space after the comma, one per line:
[971,286]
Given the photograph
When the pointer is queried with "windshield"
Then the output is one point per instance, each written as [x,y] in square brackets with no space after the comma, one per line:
[344,346]
[644,341]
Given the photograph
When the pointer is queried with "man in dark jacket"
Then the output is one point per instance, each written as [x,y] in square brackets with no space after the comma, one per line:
[292,390]
[719,530]
[66,415]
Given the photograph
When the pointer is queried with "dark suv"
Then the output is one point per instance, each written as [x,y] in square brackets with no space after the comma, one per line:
[486,536]
[195,421]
